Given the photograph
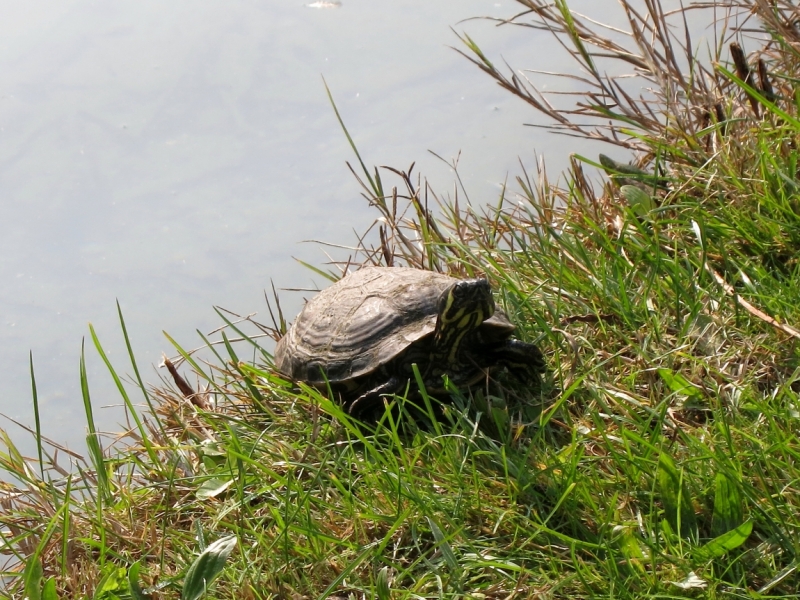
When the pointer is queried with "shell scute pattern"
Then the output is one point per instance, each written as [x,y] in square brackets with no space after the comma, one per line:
[360,323]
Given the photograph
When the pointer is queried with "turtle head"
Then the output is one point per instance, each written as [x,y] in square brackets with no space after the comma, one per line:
[462,308]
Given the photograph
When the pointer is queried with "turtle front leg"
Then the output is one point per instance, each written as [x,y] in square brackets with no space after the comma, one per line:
[523,360]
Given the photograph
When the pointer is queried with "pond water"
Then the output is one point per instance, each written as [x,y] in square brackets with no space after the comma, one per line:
[173,156]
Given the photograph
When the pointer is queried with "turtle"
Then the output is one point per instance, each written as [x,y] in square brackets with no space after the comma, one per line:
[362,335]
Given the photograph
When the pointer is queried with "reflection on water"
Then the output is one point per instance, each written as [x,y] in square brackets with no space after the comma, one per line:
[172,156]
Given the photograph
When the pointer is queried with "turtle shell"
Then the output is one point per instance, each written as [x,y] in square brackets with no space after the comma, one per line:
[364,322]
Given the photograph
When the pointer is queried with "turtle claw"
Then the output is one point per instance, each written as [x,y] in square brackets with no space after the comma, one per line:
[522,360]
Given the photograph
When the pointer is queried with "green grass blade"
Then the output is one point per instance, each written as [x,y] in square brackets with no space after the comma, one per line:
[678,508]
[444,546]
[49,589]
[345,572]
[139,380]
[206,567]
[37,421]
[728,511]
[32,578]
[132,410]
[134,586]
[726,542]
[374,183]
[33,572]
[382,589]
[65,527]
[93,437]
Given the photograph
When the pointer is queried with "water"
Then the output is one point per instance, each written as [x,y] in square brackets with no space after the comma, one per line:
[172,156]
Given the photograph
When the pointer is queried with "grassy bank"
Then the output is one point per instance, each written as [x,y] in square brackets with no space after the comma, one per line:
[660,458]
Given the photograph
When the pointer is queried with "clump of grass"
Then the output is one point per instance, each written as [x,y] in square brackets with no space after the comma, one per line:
[659,461]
